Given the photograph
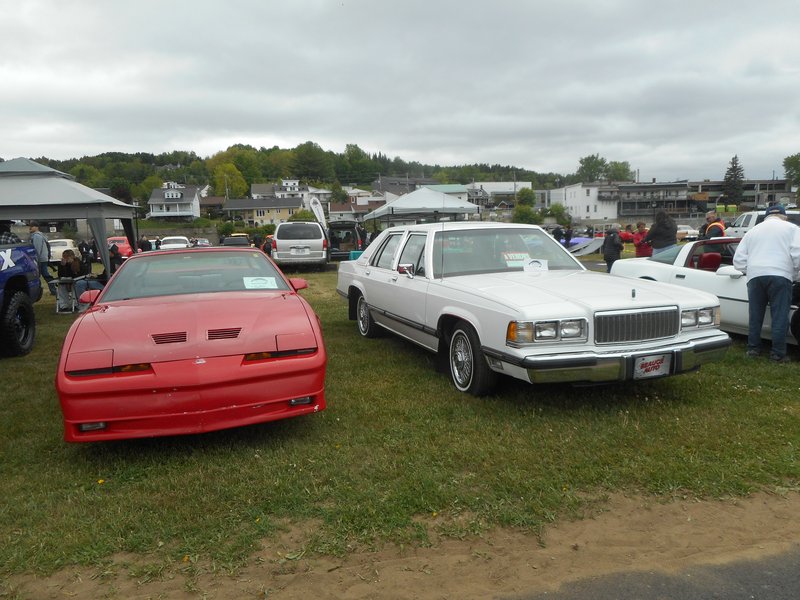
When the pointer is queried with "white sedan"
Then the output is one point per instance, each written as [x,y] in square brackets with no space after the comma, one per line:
[175,242]
[58,246]
[706,265]
[495,298]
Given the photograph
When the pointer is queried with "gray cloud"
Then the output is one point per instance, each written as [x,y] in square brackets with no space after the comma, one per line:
[676,89]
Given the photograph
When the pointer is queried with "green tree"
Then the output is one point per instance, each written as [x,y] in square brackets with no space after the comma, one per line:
[312,163]
[523,213]
[228,182]
[143,191]
[791,168]
[559,213]
[338,194]
[619,171]
[303,215]
[526,196]
[591,168]
[733,186]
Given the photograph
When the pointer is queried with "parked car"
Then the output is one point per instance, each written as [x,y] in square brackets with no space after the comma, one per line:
[122,244]
[300,243]
[202,243]
[175,242]
[188,341]
[707,265]
[495,298]
[57,247]
[20,287]
[236,241]
[747,220]
[346,237]
[687,233]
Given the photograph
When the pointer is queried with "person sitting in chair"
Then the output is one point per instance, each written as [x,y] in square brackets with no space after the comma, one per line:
[68,269]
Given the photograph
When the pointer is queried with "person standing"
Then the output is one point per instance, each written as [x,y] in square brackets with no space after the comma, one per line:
[6,235]
[643,249]
[567,235]
[663,235]
[713,227]
[769,255]
[42,247]
[612,248]
[144,244]
[558,233]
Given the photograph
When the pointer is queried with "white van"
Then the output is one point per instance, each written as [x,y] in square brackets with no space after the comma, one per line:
[300,243]
[746,221]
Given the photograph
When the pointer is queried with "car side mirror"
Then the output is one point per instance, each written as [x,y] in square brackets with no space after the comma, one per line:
[407,270]
[89,296]
[729,271]
[298,283]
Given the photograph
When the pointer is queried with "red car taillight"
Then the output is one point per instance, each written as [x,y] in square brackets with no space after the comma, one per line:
[274,244]
[324,244]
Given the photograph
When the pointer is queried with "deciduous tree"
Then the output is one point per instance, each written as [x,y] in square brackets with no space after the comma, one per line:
[791,168]
[591,168]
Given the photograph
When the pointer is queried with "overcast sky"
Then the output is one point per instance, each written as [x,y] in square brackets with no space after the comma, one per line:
[675,88]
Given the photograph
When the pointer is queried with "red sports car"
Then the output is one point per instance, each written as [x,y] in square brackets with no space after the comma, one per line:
[188,341]
[122,244]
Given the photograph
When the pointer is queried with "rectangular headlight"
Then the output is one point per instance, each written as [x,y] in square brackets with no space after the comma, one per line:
[546,330]
[689,318]
[706,316]
[572,329]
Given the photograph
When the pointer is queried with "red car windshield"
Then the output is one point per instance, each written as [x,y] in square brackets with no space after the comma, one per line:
[193,272]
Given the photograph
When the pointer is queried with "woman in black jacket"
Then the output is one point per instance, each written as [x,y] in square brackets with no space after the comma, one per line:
[612,247]
[663,234]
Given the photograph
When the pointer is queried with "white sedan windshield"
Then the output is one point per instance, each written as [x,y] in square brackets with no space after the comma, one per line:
[471,251]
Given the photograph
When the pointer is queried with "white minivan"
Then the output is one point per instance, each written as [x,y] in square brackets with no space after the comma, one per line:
[746,221]
[300,243]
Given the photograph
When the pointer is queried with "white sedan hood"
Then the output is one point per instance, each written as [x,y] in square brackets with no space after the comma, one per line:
[590,290]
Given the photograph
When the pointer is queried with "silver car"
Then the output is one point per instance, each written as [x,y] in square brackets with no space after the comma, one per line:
[300,243]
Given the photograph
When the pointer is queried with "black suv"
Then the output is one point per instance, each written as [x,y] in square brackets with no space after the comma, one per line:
[345,237]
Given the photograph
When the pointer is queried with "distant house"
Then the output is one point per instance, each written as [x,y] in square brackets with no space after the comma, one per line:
[499,194]
[266,210]
[291,188]
[359,203]
[401,185]
[212,206]
[174,201]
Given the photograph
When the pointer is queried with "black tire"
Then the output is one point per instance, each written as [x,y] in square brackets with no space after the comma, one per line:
[17,325]
[794,326]
[366,324]
[469,371]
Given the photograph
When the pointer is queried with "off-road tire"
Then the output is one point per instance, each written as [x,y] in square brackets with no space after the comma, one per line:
[17,325]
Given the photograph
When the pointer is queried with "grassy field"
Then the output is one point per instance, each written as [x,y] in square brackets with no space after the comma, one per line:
[398,454]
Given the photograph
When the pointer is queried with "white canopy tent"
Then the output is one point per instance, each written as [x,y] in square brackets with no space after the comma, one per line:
[423,203]
[31,191]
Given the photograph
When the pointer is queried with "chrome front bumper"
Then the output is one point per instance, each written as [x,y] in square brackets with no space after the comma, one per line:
[609,367]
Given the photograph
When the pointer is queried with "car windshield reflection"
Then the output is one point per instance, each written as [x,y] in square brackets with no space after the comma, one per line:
[194,272]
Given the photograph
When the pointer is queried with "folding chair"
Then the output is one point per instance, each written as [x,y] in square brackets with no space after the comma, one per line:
[65,296]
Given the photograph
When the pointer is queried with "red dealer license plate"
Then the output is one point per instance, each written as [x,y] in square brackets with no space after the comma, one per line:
[654,365]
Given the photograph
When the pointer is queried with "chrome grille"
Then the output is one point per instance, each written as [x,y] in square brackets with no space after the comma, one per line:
[224,334]
[175,337]
[636,326]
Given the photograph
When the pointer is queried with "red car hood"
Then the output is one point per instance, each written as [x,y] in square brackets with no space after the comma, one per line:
[202,325]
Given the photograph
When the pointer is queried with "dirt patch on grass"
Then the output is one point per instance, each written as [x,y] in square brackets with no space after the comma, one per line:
[626,534]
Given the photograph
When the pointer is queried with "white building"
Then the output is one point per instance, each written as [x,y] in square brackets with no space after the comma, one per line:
[174,201]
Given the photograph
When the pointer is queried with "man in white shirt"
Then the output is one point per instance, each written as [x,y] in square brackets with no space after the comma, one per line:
[769,254]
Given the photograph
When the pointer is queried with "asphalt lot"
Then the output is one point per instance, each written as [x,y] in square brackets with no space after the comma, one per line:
[772,578]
